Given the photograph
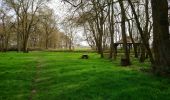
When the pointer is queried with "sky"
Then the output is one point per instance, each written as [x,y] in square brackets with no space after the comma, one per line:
[61,11]
[59,8]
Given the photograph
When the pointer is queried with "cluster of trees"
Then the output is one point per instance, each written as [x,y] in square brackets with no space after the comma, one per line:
[106,21]
[29,24]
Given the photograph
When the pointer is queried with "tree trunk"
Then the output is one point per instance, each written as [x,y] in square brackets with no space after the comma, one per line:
[142,54]
[161,36]
[123,26]
[6,42]
[111,28]
[70,44]
[46,43]
[25,43]
[146,33]
[18,35]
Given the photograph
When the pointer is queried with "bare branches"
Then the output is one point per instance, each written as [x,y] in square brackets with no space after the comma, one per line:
[73,4]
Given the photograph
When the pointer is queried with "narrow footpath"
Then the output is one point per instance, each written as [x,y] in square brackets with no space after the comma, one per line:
[34,89]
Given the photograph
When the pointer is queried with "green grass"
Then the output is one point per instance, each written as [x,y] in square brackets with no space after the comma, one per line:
[64,76]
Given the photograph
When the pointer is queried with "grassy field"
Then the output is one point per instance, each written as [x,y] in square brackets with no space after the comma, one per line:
[64,76]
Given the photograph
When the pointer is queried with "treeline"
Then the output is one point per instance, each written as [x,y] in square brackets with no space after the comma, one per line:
[29,24]
[107,21]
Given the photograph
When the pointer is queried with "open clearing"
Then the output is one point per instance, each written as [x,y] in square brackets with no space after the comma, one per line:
[64,76]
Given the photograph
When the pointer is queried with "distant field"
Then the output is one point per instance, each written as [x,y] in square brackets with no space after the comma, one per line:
[64,76]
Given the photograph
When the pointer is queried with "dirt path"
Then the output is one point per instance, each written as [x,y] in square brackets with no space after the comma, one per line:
[34,90]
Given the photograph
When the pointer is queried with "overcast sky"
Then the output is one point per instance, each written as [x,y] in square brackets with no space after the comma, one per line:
[61,10]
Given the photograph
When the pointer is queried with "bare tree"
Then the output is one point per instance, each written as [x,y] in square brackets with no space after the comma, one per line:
[123,26]
[49,23]
[26,12]
[6,27]
[143,37]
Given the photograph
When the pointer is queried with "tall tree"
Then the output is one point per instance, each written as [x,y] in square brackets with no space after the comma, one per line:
[161,36]
[48,22]
[6,27]
[111,28]
[146,32]
[123,27]
[25,10]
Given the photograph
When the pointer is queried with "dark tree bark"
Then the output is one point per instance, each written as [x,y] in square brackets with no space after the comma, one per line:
[25,44]
[123,27]
[111,29]
[161,36]
[146,33]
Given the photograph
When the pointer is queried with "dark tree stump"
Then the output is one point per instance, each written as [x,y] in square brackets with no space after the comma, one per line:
[124,62]
[84,56]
